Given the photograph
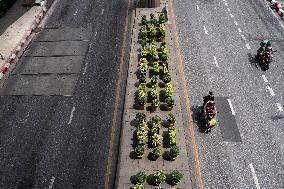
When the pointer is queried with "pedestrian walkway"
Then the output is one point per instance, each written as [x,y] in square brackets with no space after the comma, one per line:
[14,25]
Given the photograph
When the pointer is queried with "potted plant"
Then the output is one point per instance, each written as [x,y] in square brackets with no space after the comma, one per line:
[170,103]
[139,151]
[140,177]
[154,79]
[143,32]
[162,18]
[143,52]
[139,186]
[152,32]
[142,77]
[172,136]
[155,139]
[144,20]
[159,177]
[156,68]
[167,77]
[174,152]
[155,104]
[175,177]
[171,120]
[141,97]
[156,153]
[140,117]
[156,119]
[153,19]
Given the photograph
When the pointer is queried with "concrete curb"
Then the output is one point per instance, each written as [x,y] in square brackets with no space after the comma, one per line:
[24,41]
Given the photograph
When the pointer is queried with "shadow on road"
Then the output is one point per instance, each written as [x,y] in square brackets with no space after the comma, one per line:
[198,118]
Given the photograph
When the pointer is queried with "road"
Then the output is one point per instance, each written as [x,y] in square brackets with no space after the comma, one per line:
[218,41]
[61,108]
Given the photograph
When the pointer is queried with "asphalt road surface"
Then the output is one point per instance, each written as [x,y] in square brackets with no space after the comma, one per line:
[59,107]
[219,40]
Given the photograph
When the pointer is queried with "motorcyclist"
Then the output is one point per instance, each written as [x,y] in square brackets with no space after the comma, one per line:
[264,45]
[209,97]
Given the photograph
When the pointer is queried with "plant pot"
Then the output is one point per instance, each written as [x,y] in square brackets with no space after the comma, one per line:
[139,157]
[169,108]
[173,158]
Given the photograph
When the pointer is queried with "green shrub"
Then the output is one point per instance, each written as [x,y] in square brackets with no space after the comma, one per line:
[176,177]
[156,153]
[159,177]
[141,117]
[139,151]
[140,177]
[174,151]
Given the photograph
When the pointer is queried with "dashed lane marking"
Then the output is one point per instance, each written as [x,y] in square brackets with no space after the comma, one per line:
[264,78]
[215,61]
[254,176]
[229,9]
[243,37]
[239,29]
[75,12]
[232,16]
[236,23]
[51,182]
[231,107]
[226,4]
[279,107]
[102,11]
[197,7]
[248,46]
[271,91]
[205,30]
[71,116]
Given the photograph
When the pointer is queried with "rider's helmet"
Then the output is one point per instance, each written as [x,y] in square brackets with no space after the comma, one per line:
[210,93]
[269,49]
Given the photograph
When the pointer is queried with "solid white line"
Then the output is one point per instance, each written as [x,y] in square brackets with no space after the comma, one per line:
[232,16]
[236,23]
[215,60]
[226,4]
[231,106]
[248,46]
[71,116]
[197,7]
[271,91]
[228,9]
[102,11]
[264,79]
[205,30]
[51,182]
[254,176]
[279,107]
[239,29]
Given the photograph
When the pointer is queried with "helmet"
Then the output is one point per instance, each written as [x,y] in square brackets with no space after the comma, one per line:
[269,48]
[210,93]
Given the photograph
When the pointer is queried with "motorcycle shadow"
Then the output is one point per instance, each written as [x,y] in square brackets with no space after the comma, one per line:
[198,118]
[252,58]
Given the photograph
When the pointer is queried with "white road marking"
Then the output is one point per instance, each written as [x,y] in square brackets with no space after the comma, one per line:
[215,60]
[232,16]
[239,29]
[244,38]
[51,182]
[71,116]
[236,23]
[197,7]
[96,34]
[248,46]
[102,11]
[205,30]
[85,69]
[271,91]
[226,4]
[229,9]
[231,106]
[264,79]
[279,106]
[254,176]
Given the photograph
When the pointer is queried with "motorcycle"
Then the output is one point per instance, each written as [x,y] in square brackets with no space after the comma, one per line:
[209,114]
[264,59]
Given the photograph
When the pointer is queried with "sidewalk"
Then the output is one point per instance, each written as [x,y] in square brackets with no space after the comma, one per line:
[14,30]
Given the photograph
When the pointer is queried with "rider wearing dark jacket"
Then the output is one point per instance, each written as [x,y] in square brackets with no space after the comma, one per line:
[207,98]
